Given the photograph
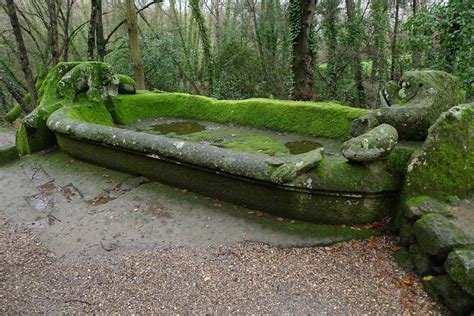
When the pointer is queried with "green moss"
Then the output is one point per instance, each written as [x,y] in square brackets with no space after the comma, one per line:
[14,113]
[338,175]
[90,113]
[417,206]
[326,234]
[126,84]
[83,83]
[8,154]
[398,159]
[30,140]
[460,266]
[445,165]
[317,119]
[259,145]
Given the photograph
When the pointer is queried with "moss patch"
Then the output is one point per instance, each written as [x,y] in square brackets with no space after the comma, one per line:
[338,175]
[14,113]
[308,118]
[445,165]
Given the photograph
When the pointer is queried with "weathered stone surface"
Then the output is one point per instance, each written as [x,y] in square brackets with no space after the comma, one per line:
[445,166]
[407,235]
[459,301]
[277,170]
[460,266]
[437,235]
[420,98]
[418,206]
[422,262]
[403,258]
[372,145]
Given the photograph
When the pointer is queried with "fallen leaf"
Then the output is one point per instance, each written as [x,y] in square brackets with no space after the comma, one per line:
[280,219]
[428,278]
[259,214]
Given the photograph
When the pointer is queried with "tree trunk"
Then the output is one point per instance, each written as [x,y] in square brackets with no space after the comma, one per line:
[134,47]
[92,29]
[3,103]
[354,52]
[303,57]
[393,48]
[206,42]
[23,54]
[258,43]
[100,32]
[53,32]
[415,57]
[330,22]
[66,39]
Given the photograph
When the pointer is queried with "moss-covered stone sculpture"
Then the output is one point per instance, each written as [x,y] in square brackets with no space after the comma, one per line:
[66,84]
[372,145]
[414,104]
[444,167]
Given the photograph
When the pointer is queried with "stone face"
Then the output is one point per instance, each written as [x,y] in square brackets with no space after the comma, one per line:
[421,96]
[445,166]
[67,84]
[460,266]
[372,145]
[437,235]
[453,296]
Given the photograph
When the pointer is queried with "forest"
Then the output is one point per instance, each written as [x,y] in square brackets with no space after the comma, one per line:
[326,50]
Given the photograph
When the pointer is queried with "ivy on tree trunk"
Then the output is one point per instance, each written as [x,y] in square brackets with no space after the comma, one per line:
[301,23]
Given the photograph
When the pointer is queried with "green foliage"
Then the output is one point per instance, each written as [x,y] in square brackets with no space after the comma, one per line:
[238,78]
[443,36]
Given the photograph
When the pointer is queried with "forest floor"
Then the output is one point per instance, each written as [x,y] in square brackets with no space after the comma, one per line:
[75,237]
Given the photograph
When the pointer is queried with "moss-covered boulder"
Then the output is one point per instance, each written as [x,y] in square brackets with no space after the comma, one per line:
[418,206]
[372,145]
[445,165]
[126,84]
[66,84]
[420,98]
[438,235]
[460,302]
[460,266]
[423,262]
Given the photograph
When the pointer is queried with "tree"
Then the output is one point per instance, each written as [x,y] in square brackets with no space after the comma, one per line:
[378,47]
[92,29]
[301,24]
[205,41]
[22,54]
[132,25]
[53,32]
[354,45]
[330,10]
[393,44]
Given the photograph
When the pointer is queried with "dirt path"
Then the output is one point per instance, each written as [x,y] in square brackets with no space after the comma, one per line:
[78,238]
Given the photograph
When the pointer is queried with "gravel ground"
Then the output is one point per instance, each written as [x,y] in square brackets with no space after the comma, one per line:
[352,277]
